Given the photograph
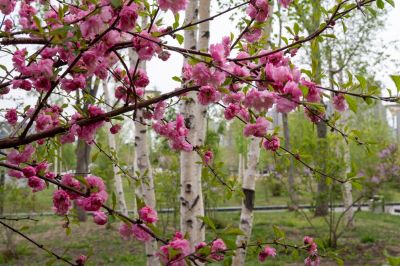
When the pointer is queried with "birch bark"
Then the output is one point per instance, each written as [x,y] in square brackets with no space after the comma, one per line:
[119,191]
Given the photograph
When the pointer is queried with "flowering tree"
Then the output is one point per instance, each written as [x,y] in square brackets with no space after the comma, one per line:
[59,47]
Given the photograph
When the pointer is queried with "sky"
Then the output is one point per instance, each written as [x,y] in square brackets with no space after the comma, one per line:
[161,73]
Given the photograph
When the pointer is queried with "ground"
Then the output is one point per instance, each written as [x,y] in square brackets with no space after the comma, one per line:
[363,245]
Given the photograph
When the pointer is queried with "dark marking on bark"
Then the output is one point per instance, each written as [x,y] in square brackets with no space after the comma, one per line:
[248,198]
[196,200]
[188,188]
[206,34]
[144,131]
[243,221]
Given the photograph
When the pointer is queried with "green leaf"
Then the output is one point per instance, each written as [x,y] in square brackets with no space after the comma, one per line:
[208,222]
[380,4]
[278,232]
[391,2]
[296,28]
[179,38]
[116,3]
[362,80]
[396,80]
[233,231]
[352,103]
[177,79]
[339,262]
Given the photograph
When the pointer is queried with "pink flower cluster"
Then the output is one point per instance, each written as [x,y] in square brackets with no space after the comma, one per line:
[176,132]
[86,132]
[265,253]
[339,102]
[180,248]
[96,196]
[313,258]
[174,5]
[259,129]
[148,215]
[128,231]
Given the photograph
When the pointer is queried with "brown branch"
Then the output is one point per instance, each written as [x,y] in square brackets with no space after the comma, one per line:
[15,142]
[41,246]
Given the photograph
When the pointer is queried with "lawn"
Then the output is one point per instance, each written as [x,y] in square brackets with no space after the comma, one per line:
[363,245]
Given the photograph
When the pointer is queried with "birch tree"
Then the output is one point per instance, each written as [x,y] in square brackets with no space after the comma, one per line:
[191,193]
[119,191]
[248,186]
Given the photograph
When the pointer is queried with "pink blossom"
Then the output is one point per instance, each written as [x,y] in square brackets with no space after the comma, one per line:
[94,202]
[22,83]
[16,157]
[314,93]
[50,175]
[29,171]
[8,24]
[141,79]
[115,128]
[176,132]
[144,47]
[7,6]
[218,248]
[61,201]
[148,215]
[81,260]
[339,102]
[208,157]
[174,5]
[253,35]
[259,129]
[312,261]
[231,111]
[43,122]
[217,53]
[18,59]
[36,183]
[77,82]
[208,94]
[258,10]
[272,144]
[266,252]
[187,72]
[202,75]
[126,231]
[259,100]
[91,27]
[100,218]
[285,3]
[70,181]
[15,173]
[140,234]
[181,248]
[159,110]
[128,17]
[12,116]
[94,110]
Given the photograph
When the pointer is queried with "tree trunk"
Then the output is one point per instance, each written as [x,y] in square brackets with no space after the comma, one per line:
[246,216]
[191,194]
[347,188]
[248,186]
[291,182]
[321,205]
[119,191]
[201,116]
[83,149]
[82,168]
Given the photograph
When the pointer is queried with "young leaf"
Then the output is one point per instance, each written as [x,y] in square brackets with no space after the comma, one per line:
[396,80]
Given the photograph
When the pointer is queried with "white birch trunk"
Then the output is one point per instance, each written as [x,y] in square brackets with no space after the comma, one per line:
[142,165]
[201,116]
[347,188]
[119,191]
[248,187]
[191,194]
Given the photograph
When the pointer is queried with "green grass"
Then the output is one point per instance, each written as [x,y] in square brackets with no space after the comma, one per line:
[363,245]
